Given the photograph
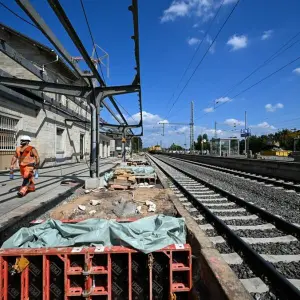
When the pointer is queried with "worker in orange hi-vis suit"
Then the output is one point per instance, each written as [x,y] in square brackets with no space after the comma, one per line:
[28,161]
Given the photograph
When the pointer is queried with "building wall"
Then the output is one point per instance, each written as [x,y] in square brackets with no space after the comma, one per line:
[41,126]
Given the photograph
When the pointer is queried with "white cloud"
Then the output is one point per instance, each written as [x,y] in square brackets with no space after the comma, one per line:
[237,42]
[222,100]
[148,118]
[234,122]
[212,49]
[263,125]
[271,108]
[209,109]
[203,9]
[196,25]
[229,1]
[297,71]
[267,34]
[193,41]
[177,9]
[163,122]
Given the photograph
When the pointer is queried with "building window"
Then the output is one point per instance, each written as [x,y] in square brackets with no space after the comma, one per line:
[8,133]
[59,140]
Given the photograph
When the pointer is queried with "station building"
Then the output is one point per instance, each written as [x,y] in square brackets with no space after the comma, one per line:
[58,125]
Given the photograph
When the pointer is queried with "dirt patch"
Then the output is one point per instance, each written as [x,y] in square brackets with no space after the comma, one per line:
[116,204]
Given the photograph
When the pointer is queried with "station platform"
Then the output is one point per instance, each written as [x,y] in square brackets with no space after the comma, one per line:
[48,187]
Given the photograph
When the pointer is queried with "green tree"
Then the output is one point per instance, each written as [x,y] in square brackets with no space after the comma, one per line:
[198,143]
[175,147]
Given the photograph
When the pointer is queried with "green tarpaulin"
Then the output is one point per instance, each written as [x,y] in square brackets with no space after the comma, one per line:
[146,235]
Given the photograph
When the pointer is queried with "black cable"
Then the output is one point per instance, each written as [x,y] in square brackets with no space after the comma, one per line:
[196,51]
[218,33]
[18,16]
[280,51]
[266,62]
[92,38]
[256,83]
[129,115]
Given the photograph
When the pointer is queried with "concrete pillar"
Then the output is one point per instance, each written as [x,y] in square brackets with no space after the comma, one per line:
[108,149]
[105,149]
[101,149]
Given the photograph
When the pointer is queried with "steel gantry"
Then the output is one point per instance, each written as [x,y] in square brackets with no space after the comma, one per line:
[96,96]
[191,125]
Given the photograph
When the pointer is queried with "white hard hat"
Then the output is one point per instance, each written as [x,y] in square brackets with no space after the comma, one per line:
[25,138]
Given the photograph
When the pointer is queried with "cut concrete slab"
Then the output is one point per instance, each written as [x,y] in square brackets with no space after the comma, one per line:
[92,183]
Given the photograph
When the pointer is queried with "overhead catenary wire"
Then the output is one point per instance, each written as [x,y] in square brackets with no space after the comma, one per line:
[18,16]
[255,84]
[92,37]
[279,52]
[197,49]
[129,115]
[266,62]
[204,55]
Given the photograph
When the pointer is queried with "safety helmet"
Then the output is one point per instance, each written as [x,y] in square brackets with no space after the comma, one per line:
[25,138]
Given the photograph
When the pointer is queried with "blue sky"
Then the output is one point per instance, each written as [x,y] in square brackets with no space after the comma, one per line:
[169,35]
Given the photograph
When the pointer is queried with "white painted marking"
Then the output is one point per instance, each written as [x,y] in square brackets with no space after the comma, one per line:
[77,249]
[255,285]
[206,227]
[187,204]
[228,210]
[179,246]
[252,227]
[232,258]
[99,249]
[278,239]
[229,218]
[281,258]
[295,282]
[217,239]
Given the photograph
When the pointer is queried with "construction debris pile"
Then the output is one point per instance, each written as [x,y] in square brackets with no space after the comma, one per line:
[116,204]
[137,162]
[128,177]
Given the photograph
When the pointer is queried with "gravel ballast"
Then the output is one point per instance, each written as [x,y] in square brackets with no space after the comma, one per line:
[273,200]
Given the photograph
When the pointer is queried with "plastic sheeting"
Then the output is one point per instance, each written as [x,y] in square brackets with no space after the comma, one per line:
[146,235]
[139,170]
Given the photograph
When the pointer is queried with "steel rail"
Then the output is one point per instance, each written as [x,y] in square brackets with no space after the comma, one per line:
[286,289]
[253,176]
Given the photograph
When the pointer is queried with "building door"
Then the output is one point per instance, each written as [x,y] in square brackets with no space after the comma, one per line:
[81,146]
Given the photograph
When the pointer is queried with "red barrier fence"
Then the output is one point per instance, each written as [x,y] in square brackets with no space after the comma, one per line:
[116,273]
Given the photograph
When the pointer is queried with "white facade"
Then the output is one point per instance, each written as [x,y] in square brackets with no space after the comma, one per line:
[56,140]
[104,147]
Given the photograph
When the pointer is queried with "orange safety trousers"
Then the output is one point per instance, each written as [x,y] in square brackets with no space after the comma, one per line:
[28,182]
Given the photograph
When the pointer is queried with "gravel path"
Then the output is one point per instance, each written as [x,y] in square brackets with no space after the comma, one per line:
[273,200]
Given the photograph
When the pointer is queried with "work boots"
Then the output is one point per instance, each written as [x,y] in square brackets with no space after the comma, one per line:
[24,189]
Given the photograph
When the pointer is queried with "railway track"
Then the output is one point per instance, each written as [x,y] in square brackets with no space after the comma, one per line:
[276,182]
[262,248]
